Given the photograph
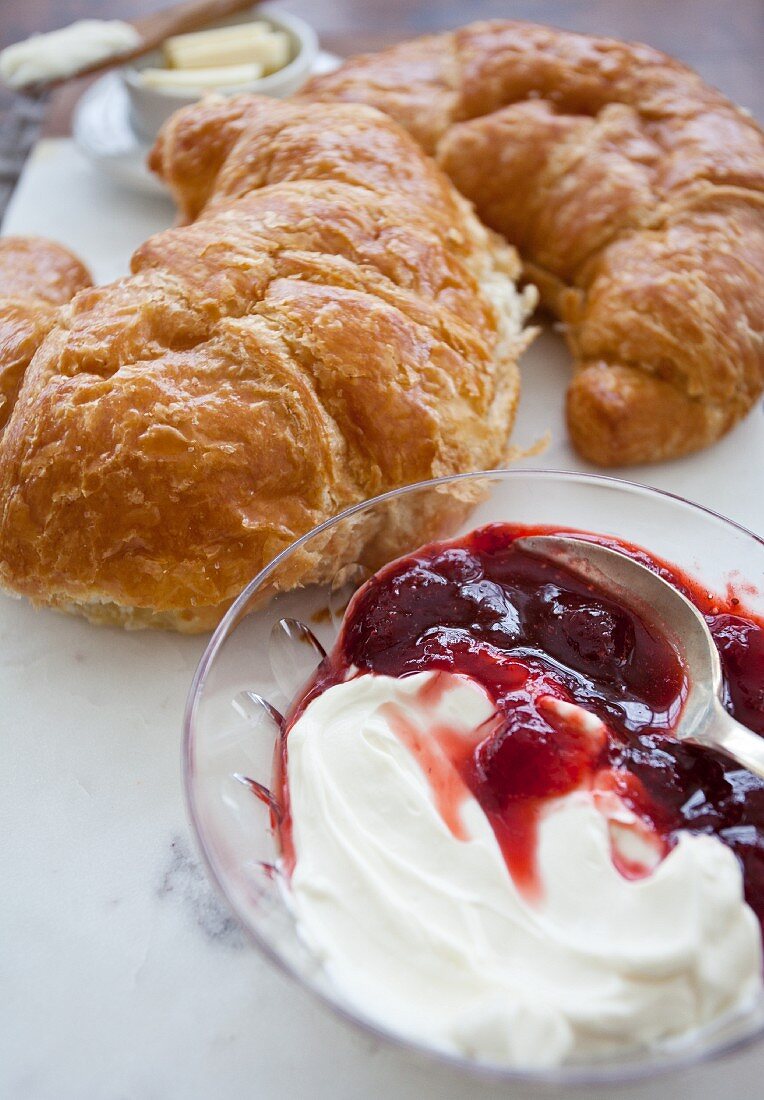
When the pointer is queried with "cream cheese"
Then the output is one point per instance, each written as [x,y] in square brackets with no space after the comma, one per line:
[428,935]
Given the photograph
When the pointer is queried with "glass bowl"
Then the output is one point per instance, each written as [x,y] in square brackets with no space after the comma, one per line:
[229,736]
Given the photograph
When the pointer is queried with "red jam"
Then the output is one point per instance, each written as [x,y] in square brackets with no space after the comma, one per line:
[530,632]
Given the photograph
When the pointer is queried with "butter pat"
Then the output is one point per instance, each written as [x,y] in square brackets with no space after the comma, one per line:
[239,44]
[226,76]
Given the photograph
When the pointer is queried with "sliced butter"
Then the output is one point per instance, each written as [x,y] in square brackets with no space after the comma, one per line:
[235,45]
[236,31]
[223,76]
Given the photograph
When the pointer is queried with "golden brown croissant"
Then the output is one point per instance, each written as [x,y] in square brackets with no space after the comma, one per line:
[635,194]
[335,323]
[36,276]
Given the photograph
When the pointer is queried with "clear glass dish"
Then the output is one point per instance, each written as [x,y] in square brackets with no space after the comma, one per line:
[228,735]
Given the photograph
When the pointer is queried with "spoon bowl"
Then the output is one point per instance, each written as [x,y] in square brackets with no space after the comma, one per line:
[703,720]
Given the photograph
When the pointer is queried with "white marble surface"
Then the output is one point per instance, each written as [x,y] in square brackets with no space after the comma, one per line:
[121,976]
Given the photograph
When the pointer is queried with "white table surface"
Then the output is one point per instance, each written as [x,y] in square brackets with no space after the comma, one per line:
[121,975]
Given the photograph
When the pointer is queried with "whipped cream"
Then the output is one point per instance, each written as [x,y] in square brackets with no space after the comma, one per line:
[428,935]
[59,54]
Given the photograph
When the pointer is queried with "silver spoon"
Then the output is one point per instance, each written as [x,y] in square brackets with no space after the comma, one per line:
[703,720]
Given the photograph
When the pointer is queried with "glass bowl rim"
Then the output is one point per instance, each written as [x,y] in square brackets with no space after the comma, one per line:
[608,1072]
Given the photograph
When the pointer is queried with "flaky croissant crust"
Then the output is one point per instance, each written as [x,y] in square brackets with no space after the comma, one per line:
[36,276]
[635,194]
[335,322]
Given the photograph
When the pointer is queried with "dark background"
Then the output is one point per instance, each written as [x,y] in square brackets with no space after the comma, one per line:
[723,39]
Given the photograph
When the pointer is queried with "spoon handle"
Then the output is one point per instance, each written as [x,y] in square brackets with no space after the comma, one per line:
[735,740]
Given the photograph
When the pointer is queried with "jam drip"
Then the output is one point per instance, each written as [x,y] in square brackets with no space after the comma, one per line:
[537,638]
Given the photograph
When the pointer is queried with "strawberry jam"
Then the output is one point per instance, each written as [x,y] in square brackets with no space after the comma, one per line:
[536,638]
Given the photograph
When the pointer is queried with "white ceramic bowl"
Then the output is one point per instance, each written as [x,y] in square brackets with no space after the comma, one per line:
[225,735]
[151,107]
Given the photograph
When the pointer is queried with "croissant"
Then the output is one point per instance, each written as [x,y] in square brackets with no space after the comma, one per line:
[334,323]
[36,276]
[635,194]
